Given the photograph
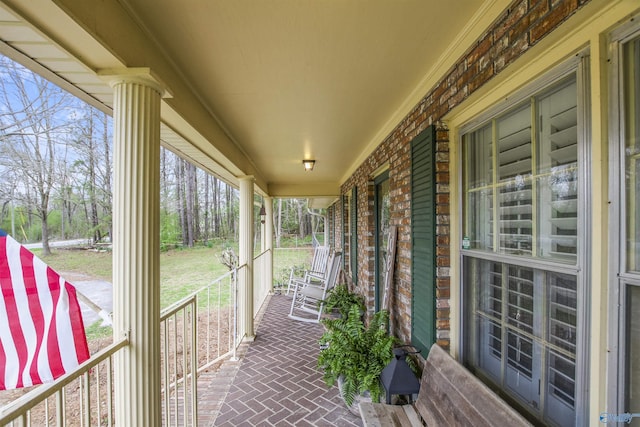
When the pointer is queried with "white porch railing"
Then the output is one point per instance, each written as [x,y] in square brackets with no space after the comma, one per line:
[196,332]
[82,397]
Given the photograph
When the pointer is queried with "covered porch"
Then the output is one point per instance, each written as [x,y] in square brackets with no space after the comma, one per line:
[421,115]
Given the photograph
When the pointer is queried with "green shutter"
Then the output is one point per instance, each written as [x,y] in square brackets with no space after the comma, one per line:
[423,240]
[354,235]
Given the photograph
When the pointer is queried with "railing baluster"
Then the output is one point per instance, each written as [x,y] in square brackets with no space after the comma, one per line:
[175,368]
[194,363]
[60,408]
[109,393]
[46,412]
[165,365]
[184,367]
[87,398]
[98,405]
[208,346]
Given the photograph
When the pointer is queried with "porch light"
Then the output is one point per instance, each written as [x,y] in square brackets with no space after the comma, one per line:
[308,164]
[263,214]
[398,378]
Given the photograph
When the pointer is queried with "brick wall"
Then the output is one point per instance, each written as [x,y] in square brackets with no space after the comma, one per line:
[521,26]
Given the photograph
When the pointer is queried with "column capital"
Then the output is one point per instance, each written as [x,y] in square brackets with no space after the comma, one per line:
[247,178]
[139,75]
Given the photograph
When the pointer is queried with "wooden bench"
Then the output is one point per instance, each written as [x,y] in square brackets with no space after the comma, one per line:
[449,396]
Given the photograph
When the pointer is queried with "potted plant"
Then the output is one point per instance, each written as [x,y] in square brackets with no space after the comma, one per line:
[356,354]
[341,299]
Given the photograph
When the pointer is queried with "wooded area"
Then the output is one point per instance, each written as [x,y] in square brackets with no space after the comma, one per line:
[56,175]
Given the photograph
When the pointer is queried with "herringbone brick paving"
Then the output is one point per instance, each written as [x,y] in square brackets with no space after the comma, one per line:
[277,382]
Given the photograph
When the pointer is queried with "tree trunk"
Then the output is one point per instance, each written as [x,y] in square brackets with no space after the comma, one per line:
[107,203]
[189,202]
[216,208]
[205,234]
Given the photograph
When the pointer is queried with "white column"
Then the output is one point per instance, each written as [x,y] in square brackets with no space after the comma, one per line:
[136,254]
[268,204]
[245,258]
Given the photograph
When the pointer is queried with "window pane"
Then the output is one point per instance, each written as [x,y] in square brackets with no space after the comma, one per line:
[558,207]
[516,220]
[523,334]
[514,144]
[478,178]
[632,151]
[514,174]
[558,172]
[382,202]
[477,146]
[560,406]
[562,308]
[633,350]
[478,231]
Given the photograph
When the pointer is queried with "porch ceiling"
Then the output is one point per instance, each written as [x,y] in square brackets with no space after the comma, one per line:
[256,86]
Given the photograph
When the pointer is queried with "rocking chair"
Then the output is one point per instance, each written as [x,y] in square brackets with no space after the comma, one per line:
[308,296]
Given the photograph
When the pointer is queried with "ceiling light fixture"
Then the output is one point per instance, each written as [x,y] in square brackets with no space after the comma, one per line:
[308,164]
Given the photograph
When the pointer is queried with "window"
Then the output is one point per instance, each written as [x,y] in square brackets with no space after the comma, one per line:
[523,206]
[513,205]
[353,247]
[628,175]
[382,205]
[331,224]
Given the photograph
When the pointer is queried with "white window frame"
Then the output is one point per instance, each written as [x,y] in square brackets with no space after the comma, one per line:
[619,277]
[580,66]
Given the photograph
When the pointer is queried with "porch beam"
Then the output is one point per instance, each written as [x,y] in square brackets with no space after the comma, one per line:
[136,254]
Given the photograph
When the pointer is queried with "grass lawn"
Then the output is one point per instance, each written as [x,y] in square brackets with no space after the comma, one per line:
[182,271]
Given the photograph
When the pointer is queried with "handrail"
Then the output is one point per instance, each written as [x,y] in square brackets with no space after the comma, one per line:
[176,307]
[20,406]
[182,303]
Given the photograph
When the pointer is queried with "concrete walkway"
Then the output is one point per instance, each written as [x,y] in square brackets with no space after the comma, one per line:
[276,383]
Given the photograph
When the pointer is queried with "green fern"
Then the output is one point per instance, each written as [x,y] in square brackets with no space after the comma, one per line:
[356,352]
[341,299]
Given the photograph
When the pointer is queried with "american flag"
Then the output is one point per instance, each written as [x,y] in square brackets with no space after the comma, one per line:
[41,330]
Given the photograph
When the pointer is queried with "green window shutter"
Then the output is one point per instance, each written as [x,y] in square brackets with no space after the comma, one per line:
[354,235]
[423,240]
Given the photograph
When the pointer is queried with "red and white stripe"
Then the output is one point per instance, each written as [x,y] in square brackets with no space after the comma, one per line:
[41,330]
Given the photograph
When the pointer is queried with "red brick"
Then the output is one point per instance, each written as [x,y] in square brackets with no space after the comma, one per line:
[561,11]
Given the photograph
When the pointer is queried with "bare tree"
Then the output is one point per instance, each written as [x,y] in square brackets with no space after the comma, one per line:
[190,205]
[206,208]
[33,127]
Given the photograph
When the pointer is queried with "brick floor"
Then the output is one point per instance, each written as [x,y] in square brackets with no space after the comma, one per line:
[276,381]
